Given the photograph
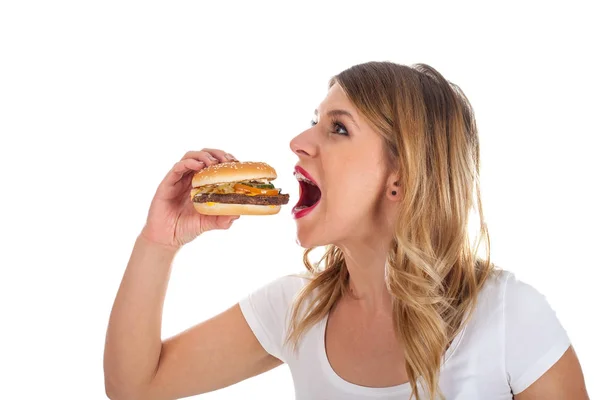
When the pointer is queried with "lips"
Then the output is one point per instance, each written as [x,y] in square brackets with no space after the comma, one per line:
[310,193]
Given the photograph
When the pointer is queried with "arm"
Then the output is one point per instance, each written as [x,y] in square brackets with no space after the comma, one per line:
[133,343]
[210,356]
[214,354]
[564,380]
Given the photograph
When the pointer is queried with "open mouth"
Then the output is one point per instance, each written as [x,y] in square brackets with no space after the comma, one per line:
[310,194]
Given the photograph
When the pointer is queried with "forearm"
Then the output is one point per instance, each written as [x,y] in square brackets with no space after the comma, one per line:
[133,339]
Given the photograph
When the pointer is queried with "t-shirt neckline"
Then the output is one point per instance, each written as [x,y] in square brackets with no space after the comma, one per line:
[347,386]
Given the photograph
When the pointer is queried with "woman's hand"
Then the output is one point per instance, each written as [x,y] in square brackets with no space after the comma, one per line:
[172,220]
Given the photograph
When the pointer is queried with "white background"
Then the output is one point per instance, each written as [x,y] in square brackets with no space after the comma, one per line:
[99,99]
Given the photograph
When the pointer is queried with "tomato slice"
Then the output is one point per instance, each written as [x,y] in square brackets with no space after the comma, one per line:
[252,191]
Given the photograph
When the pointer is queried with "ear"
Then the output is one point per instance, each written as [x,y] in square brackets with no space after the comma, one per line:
[392,187]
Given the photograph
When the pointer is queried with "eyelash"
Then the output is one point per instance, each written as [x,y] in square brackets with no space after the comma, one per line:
[335,125]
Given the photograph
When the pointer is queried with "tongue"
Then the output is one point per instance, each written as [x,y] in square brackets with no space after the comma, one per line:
[310,195]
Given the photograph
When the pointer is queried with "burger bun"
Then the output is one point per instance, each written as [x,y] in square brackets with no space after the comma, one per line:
[233,172]
[235,209]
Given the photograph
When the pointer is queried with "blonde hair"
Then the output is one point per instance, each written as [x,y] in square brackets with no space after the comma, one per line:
[433,272]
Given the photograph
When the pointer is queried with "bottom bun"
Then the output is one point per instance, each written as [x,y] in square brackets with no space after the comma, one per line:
[235,209]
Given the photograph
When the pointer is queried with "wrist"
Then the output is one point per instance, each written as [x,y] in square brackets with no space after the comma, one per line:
[146,241]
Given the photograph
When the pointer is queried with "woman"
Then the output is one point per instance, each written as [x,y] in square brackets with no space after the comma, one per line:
[401,304]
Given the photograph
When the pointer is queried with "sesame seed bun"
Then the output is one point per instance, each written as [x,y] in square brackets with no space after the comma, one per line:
[233,172]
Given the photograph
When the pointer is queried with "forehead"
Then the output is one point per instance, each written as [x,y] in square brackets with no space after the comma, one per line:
[337,99]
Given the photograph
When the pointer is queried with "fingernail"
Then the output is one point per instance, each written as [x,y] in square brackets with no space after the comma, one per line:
[230,157]
[211,158]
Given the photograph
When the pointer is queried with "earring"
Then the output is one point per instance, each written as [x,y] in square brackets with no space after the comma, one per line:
[393,192]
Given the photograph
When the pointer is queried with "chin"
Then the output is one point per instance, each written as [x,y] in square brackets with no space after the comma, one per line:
[306,238]
[310,235]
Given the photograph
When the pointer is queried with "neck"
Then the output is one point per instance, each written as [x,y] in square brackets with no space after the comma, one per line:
[366,261]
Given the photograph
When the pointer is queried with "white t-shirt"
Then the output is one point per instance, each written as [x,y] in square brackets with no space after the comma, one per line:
[513,337]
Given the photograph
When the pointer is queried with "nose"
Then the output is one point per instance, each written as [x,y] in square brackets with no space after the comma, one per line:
[303,145]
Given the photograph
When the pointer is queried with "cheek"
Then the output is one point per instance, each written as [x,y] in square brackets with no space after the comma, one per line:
[353,187]
[347,209]
[352,201]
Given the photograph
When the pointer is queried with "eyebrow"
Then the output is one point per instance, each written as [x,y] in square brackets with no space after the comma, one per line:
[335,113]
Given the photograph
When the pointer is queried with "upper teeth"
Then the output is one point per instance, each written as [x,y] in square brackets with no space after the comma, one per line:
[302,178]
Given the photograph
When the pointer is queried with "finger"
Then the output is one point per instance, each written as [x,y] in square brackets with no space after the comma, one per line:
[188,165]
[230,157]
[181,168]
[220,155]
[192,154]
[203,156]
[225,221]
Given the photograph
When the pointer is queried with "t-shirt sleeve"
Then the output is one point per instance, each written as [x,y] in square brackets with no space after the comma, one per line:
[267,309]
[534,337]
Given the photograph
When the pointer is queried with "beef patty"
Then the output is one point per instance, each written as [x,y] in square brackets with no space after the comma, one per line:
[236,198]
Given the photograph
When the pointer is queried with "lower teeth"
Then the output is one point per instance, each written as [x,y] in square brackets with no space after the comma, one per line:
[301,208]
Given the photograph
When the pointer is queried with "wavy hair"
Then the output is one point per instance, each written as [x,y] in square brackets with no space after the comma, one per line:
[432,270]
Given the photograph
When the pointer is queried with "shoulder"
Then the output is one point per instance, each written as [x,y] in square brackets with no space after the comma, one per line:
[533,338]
[517,298]
[274,298]
[267,308]
[284,288]
[505,290]
[508,308]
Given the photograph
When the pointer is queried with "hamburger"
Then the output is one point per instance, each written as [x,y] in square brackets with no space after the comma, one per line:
[237,188]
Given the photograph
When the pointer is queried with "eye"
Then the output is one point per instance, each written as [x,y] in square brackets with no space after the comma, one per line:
[336,127]
[339,128]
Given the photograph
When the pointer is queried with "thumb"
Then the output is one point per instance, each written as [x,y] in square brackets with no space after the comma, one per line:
[225,221]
